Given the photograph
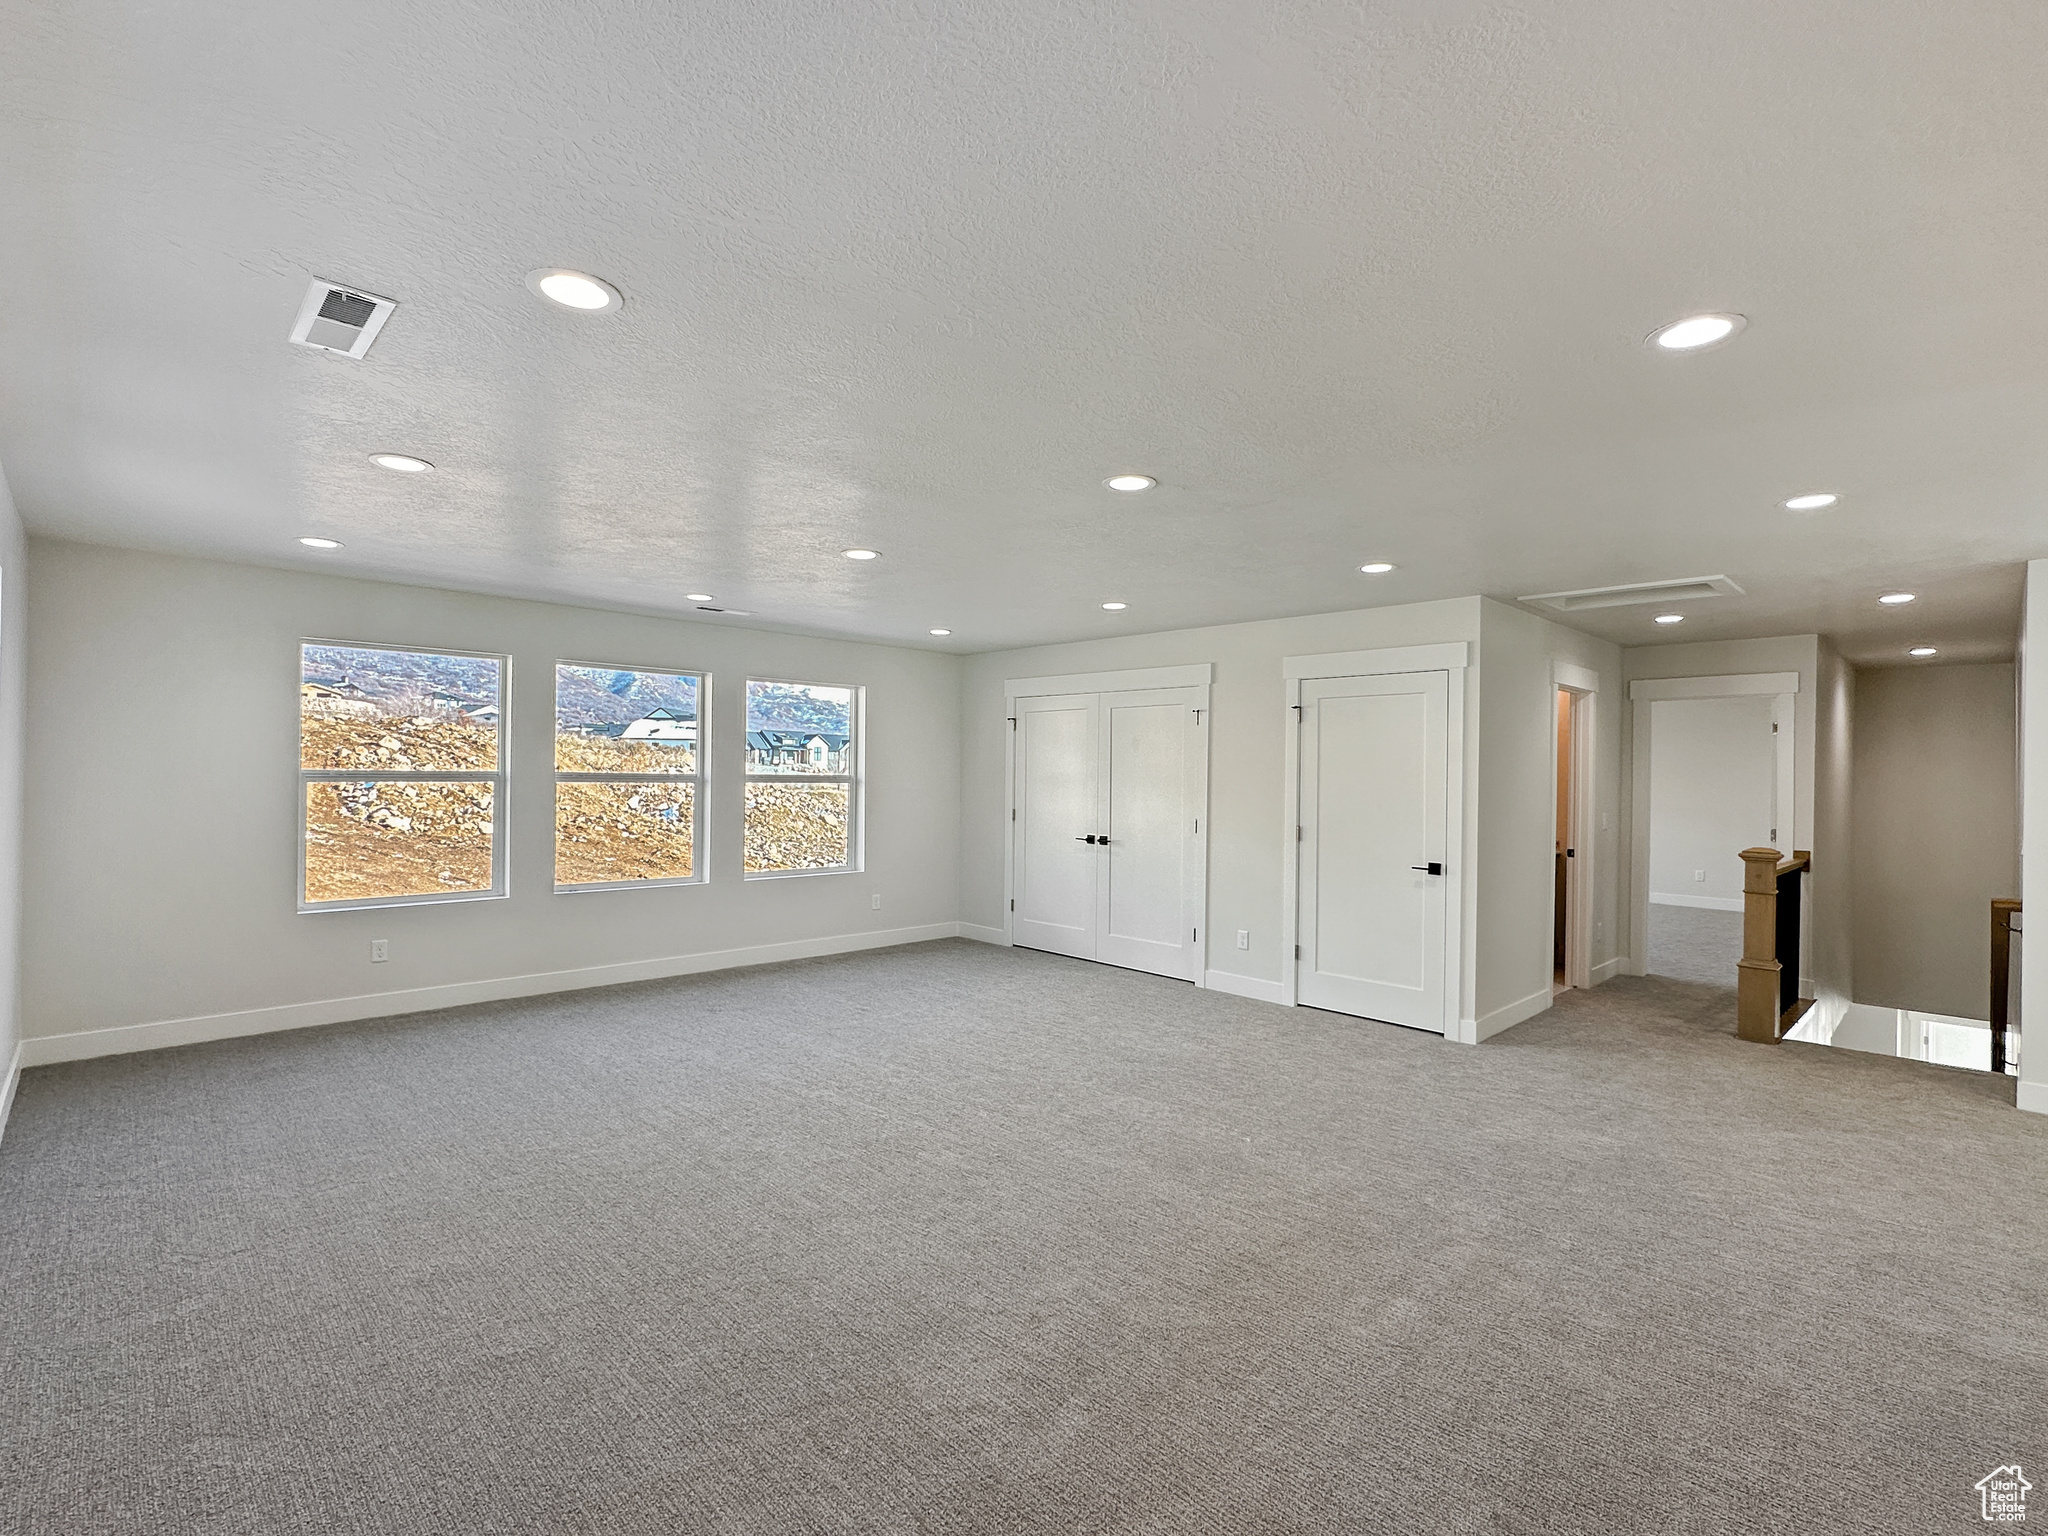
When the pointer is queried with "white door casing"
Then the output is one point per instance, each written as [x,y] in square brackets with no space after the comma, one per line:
[1784,687]
[1374,777]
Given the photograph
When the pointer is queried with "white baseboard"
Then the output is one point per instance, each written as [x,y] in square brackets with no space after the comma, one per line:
[1710,903]
[1254,987]
[1508,1015]
[14,1066]
[2033,1097]
[981,935]
[43,1050]
[1607,970]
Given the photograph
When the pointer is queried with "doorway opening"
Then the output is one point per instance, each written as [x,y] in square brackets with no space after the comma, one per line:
[1571,948]
[1718,780]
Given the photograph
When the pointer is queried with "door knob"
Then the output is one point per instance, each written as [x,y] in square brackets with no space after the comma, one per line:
[1088,839]
[1428,869]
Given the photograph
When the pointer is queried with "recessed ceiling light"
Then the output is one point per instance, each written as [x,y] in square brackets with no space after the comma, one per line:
[1696,331]
[1130,482]
[939,631]
[696,597]
[1670,618]
[1114,607]
[404,462]
[862,554]
[1896,598]
[574,290]
[1377,568]
[1812,503]
[321,543]
[1921,650]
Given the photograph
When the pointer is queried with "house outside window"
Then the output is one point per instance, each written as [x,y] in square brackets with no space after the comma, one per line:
[401,778]
[803,778]
[628,777]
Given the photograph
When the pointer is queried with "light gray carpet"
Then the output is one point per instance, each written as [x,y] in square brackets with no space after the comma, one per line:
[1695,944]
[957,1239]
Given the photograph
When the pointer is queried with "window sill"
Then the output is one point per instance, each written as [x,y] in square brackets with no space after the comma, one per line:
[628,885]
[384,903]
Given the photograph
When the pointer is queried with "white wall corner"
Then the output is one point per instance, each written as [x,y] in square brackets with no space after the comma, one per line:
[7,1088]
[1256,988]
[981,934]
[1510,1014]
[43,1050]
[2033,1097]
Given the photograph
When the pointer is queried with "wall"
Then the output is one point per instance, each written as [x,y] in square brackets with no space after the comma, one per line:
[1937,832]
[1713,770]
[1822,747]
[13,692]
[1517,821]
[1508,804]
[163,721]
[2033,791]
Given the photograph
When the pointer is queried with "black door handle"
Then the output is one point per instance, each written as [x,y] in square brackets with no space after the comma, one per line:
[1428,869]
[1103,840]
[1088,839]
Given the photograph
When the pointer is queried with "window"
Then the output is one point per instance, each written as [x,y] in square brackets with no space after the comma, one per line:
[628,762]
[803,752]
[400,777]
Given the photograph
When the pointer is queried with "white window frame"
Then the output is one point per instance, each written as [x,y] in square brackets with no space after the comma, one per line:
[855,780]
[699,860]
[497,777]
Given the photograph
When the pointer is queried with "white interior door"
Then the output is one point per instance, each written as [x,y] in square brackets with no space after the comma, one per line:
[1375,765]
[1111,789]
[1152,744]
[1058,804]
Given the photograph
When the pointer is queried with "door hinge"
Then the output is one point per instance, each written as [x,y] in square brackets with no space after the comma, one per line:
[1297,951]
[1774,834]
[1193,934]
[1198,825]
[1297,834]
[1013,904]
[1774,727]
[1013,722]
[1013,813]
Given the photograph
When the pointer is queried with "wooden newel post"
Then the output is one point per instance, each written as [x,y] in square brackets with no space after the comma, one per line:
[1757,973]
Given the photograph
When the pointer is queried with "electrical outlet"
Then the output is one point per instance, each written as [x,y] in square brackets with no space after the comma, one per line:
[1700,876]
[380,951]
[875,902]
[1244,938]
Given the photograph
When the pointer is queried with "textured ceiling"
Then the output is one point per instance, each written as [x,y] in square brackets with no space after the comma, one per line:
[1354,281]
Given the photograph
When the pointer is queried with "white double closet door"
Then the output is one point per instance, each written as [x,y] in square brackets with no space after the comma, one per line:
[1373,830]
[1107,840]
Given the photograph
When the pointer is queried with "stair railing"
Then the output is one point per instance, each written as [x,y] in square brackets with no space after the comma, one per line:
[1767,1000]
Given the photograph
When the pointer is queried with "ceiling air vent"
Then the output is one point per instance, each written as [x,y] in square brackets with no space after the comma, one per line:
[338,319]
[1641,592]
